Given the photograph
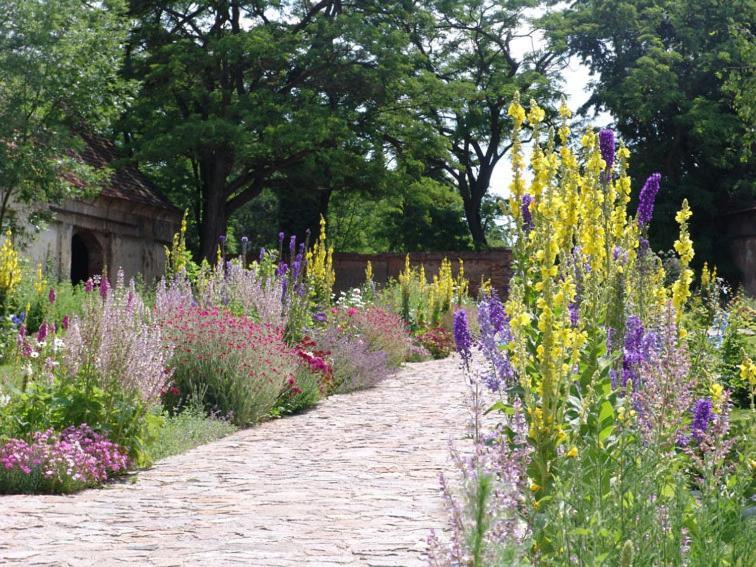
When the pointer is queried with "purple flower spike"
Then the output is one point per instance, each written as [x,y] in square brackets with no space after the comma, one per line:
[606,143]
[65,323]
[527,215]
[104,287]
[646,199]
[89,285]
[42,333]
[702,416]
[51,295]
[462,336]
[262,254]
[280,237]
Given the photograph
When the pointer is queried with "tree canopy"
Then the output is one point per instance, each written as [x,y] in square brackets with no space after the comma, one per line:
[59,64]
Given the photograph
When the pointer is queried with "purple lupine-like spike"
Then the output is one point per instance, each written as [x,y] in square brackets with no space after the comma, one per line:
[292,246]
[497,315]
[65,323]
[527,215]
[51,296]
[281,269]
[89,285]
[104,287]
[462,336]
[647,198]
[262,254]
[702,416]
[574,313]
[42,333]
[607,146]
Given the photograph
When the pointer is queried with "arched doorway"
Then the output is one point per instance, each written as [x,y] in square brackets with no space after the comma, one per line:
[86,256]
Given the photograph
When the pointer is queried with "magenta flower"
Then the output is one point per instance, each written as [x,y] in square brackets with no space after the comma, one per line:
[51,295]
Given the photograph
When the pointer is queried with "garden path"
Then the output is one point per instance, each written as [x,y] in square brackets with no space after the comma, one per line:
[352,482]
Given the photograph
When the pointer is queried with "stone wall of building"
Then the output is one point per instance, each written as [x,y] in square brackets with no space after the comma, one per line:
[117,234]
[489,264]
[741,230]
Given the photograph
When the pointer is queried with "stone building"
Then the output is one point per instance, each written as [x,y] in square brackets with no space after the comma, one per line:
[126,226]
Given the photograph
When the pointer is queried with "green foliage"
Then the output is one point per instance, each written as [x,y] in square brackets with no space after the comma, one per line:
[237,99]
[302,393]
[677,77]
[67,401]
[59,62]
[186,430]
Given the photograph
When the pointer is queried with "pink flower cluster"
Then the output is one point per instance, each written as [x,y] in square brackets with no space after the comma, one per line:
[76,456]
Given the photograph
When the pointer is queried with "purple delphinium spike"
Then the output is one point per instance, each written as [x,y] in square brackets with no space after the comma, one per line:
[574,314]
[633,351]
[527,215]
[494,332]
[646,199]
[497,316]
[606,144]
[292,246]
[702,416]
[262,254]
[462,336]
[281,269]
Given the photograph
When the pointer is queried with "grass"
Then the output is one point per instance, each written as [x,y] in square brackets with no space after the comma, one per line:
[185,431]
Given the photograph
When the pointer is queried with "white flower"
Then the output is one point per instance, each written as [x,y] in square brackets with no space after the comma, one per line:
[28,370]
[34,354]
[58,344]
[4,400]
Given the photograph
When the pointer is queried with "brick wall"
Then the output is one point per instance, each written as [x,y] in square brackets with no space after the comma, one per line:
[490,264]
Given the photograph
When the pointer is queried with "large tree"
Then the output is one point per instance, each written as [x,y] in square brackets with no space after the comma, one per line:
[239,96]
[59,62]
[472,55]
[678,78]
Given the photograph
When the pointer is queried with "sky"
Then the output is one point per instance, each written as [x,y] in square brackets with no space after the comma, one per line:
[576,77]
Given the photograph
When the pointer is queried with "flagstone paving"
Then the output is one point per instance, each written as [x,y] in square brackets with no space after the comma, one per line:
[354,481]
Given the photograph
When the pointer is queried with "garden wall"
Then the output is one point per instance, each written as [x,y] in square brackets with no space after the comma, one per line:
[490,264]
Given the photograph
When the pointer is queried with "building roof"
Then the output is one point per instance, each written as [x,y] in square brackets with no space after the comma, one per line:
[126,183]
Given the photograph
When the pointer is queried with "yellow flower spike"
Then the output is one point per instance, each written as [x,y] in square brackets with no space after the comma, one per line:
[516,111]
[572,453]
[716,390]
[535,487]
[536,114]
[564,110]
[369,272]
[10,270]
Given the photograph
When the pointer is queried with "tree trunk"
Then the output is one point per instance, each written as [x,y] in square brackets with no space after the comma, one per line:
[213,224]
[474,221]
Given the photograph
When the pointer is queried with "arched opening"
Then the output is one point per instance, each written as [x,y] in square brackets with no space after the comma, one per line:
[86,256]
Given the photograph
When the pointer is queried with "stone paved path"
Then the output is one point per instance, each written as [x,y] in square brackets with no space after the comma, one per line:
[352,482]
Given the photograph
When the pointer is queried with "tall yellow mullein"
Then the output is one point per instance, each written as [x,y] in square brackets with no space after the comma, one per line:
[10,269]
[320,272]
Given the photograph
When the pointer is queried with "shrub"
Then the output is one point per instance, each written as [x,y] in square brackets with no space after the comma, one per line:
[439,342]
[355,365]
[186,430]
[117,343]
[236,367]
[381,329]
[59,463]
